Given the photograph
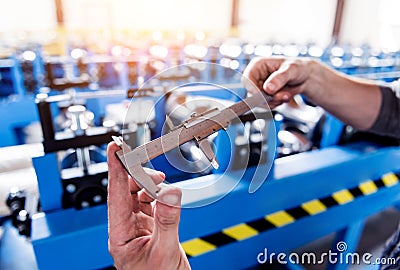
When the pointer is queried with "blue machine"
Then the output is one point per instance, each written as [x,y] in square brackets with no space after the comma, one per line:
[19,77]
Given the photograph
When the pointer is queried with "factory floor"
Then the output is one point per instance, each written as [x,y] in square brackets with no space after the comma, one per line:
[16,170]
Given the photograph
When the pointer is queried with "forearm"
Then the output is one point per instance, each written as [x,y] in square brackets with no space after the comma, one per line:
[354,101]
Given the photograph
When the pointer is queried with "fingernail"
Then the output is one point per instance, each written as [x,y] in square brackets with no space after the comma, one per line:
[271,86]
[156,173]
[171,199]
[161,174]
[286,97]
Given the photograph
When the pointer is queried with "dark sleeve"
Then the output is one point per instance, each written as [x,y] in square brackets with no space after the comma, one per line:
[388,120]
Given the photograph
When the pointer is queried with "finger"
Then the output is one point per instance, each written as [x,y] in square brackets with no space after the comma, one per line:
[146,225]
[282,96]
[255,74]
[280,78]
[145,199]
[250,85]
[120,203]
[273,104]
[156,176]
[166,217]
[258,70]
[146,208]
[249,79]
[145,205]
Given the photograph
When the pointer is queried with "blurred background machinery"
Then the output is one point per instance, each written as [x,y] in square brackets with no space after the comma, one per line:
[70,80]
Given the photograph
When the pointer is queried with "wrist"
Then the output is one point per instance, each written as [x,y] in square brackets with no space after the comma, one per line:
[317,77]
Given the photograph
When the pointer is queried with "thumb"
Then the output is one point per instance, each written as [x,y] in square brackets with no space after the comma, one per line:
[166,217]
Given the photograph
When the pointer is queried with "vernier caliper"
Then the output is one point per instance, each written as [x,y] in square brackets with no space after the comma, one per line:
[197,128]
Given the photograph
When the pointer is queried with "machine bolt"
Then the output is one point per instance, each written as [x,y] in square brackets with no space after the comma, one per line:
[41,97]
[104,182]
[71,188]
[85,204]
[97,199]
[79,124]
[23,215]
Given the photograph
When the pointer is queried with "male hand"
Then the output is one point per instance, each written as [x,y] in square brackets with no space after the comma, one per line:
[281,78]
[143,233]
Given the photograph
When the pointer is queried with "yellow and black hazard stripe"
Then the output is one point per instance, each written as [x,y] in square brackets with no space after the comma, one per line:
[204,244]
